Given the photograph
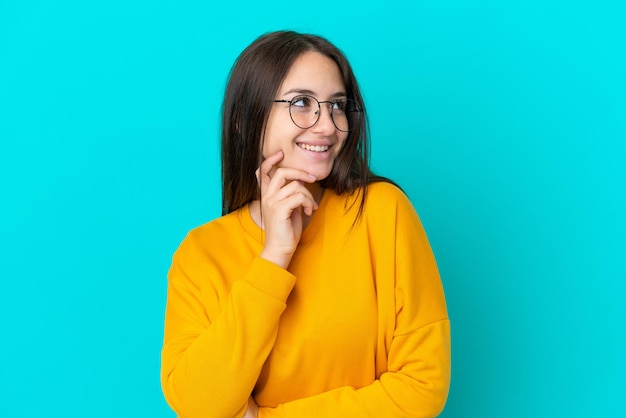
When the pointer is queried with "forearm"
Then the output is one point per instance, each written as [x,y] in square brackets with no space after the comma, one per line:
[417,388]
[211,370]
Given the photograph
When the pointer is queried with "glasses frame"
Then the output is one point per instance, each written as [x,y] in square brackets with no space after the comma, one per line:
[319,111]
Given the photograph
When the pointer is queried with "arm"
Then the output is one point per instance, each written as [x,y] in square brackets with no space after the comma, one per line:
[415,385]
[210,365]
[414,381]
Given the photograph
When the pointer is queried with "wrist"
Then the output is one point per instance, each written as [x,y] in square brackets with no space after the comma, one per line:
[281,260]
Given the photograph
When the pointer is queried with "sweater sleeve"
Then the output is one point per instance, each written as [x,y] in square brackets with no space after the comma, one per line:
[210,365]
[416,378]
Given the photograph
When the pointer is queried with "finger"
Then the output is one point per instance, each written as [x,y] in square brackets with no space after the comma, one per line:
[275,202]
[285,207]
[290,189]
[263,172]
[286,175]
[290,173]
[270,162]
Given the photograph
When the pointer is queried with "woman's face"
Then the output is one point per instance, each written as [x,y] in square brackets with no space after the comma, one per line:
[314,149]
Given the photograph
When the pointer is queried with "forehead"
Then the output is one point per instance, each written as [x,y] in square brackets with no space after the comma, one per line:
[314,72]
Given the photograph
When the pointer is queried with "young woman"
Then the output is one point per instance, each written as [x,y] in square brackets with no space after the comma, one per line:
[317,293]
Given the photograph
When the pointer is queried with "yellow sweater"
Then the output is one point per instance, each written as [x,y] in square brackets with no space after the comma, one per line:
[356,327]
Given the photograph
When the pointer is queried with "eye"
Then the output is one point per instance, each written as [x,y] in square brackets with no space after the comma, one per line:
[301,102]
[339,106]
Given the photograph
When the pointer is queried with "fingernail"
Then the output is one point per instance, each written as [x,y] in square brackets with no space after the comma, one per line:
[312,176]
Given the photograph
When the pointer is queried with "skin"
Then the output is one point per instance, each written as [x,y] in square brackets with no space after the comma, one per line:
[253,409]
[289,176]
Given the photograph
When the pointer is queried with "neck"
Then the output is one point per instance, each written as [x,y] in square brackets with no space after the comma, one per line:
[316,190]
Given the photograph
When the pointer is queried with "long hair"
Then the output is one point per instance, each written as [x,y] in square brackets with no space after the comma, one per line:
[253,82]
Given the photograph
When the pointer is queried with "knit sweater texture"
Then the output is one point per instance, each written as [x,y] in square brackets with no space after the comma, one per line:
[355,327]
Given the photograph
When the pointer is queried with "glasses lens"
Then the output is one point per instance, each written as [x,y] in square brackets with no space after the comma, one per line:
[345,113]
[304,111]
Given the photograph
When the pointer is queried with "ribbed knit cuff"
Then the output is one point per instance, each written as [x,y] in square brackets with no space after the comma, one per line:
[270,279]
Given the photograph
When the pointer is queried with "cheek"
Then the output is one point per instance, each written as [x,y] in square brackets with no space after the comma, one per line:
[265,151]
[342,142]
[271,145]
[267,142]
[278,132]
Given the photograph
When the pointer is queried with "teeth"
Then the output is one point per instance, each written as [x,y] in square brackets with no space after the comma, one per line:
[315,148]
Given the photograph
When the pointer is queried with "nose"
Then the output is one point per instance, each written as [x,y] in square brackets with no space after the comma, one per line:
[325,124]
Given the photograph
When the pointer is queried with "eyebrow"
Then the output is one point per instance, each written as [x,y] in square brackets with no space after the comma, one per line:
[311,93]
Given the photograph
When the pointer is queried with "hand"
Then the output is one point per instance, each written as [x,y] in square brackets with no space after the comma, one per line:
[283,199]
[253,409]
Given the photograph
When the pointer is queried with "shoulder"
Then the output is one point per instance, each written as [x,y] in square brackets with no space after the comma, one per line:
[384,190]
[221,225]
[384,196]
[388,207]
[211,233]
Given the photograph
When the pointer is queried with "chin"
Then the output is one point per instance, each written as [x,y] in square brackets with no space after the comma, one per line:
[321,174]
[320,171]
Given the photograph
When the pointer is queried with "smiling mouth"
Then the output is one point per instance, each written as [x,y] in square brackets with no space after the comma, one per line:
[314,148]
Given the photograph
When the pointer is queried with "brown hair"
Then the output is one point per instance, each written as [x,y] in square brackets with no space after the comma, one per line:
[254,80]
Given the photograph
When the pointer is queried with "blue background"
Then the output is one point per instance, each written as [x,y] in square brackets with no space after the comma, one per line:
[503,120]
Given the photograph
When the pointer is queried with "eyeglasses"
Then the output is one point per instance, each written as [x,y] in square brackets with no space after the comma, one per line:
[305,112]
